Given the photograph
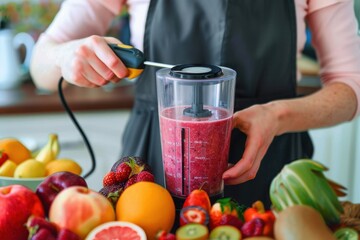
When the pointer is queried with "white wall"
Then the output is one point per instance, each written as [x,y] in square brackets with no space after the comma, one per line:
[356,170]
[338,148]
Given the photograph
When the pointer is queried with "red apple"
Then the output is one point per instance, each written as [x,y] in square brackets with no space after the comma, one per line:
[48,189]
[80,210]
[17,204]
[35,224]
[66,234]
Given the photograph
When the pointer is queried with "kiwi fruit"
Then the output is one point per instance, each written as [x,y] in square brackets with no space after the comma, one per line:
[192,231]
[225,233]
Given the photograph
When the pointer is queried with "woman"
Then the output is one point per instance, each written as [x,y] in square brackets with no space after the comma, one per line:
[259,39]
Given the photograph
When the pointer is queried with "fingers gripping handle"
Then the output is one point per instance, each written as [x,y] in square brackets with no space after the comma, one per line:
[132,57]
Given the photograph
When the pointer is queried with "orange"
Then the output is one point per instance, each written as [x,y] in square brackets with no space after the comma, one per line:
[16,151]
[148,205]
[61,165]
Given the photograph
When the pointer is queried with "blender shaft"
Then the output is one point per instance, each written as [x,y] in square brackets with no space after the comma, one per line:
[156,64]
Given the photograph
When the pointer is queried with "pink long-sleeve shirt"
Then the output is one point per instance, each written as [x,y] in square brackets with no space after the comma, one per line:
[332,22]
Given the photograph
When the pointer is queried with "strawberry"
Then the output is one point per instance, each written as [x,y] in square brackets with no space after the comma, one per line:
[163,235]
[145,176]
[228,219]
[131,181]
[139,164]
[3,157]
[253,228]
[198,197]
[170,236]
[194,214]
[221,207]
[65,234]
[113,192]
[123,172]
[109,179]
[257,210]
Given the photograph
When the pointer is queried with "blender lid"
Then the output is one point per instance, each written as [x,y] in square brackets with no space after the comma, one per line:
[196,71]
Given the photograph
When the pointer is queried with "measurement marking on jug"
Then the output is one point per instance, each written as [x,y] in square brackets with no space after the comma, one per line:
[182,160]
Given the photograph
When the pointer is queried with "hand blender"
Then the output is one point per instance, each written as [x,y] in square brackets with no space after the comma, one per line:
[195,104]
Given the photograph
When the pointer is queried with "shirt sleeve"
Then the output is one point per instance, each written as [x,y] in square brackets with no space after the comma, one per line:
[337,43]
[82,18]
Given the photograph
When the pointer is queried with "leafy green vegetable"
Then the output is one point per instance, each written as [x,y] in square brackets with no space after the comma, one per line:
[302,182]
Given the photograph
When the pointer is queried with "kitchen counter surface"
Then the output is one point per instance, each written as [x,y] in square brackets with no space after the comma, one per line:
[29,100]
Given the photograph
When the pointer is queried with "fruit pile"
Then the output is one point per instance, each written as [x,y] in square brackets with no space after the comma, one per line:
[124,173]
[28,214]
[131,206]
[17,161]
[297,212]
[63,207]
[225,219]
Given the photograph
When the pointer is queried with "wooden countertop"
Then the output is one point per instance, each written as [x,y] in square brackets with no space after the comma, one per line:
[28,100]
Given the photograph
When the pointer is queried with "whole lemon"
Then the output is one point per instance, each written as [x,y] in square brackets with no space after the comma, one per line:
[7,169]
[63,164]
[30,168]
[148,205]
[16,151]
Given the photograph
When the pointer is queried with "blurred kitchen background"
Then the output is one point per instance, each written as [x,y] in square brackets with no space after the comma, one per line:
[31,114]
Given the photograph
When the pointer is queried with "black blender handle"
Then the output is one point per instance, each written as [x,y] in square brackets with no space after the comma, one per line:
[132,58]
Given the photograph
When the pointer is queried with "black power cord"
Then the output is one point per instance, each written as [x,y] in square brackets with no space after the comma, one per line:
[72,117]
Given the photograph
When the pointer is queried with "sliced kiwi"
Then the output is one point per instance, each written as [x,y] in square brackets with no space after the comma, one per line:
[346,234]
[225,233]
[192,231]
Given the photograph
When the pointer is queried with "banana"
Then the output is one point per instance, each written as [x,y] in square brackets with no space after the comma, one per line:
[50,151]
[55,147]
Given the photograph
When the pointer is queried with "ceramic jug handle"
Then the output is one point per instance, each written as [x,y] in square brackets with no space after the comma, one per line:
[27,40]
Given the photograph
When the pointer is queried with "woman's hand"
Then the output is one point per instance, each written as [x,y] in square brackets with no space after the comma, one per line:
[260,124]
[90,62]
[332,104]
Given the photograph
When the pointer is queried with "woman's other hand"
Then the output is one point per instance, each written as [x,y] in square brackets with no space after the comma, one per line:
[332,104]
[260,125]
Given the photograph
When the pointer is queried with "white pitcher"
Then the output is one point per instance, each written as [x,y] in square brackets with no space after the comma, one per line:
[12,71]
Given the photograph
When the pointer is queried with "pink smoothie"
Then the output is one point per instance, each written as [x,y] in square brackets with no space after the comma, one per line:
[195,150]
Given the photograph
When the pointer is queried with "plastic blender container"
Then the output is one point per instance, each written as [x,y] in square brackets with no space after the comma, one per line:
[196,103]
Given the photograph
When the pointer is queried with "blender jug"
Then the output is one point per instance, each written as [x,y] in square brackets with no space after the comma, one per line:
[196,103]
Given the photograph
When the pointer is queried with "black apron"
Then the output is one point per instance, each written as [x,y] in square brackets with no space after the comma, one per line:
[256,38]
